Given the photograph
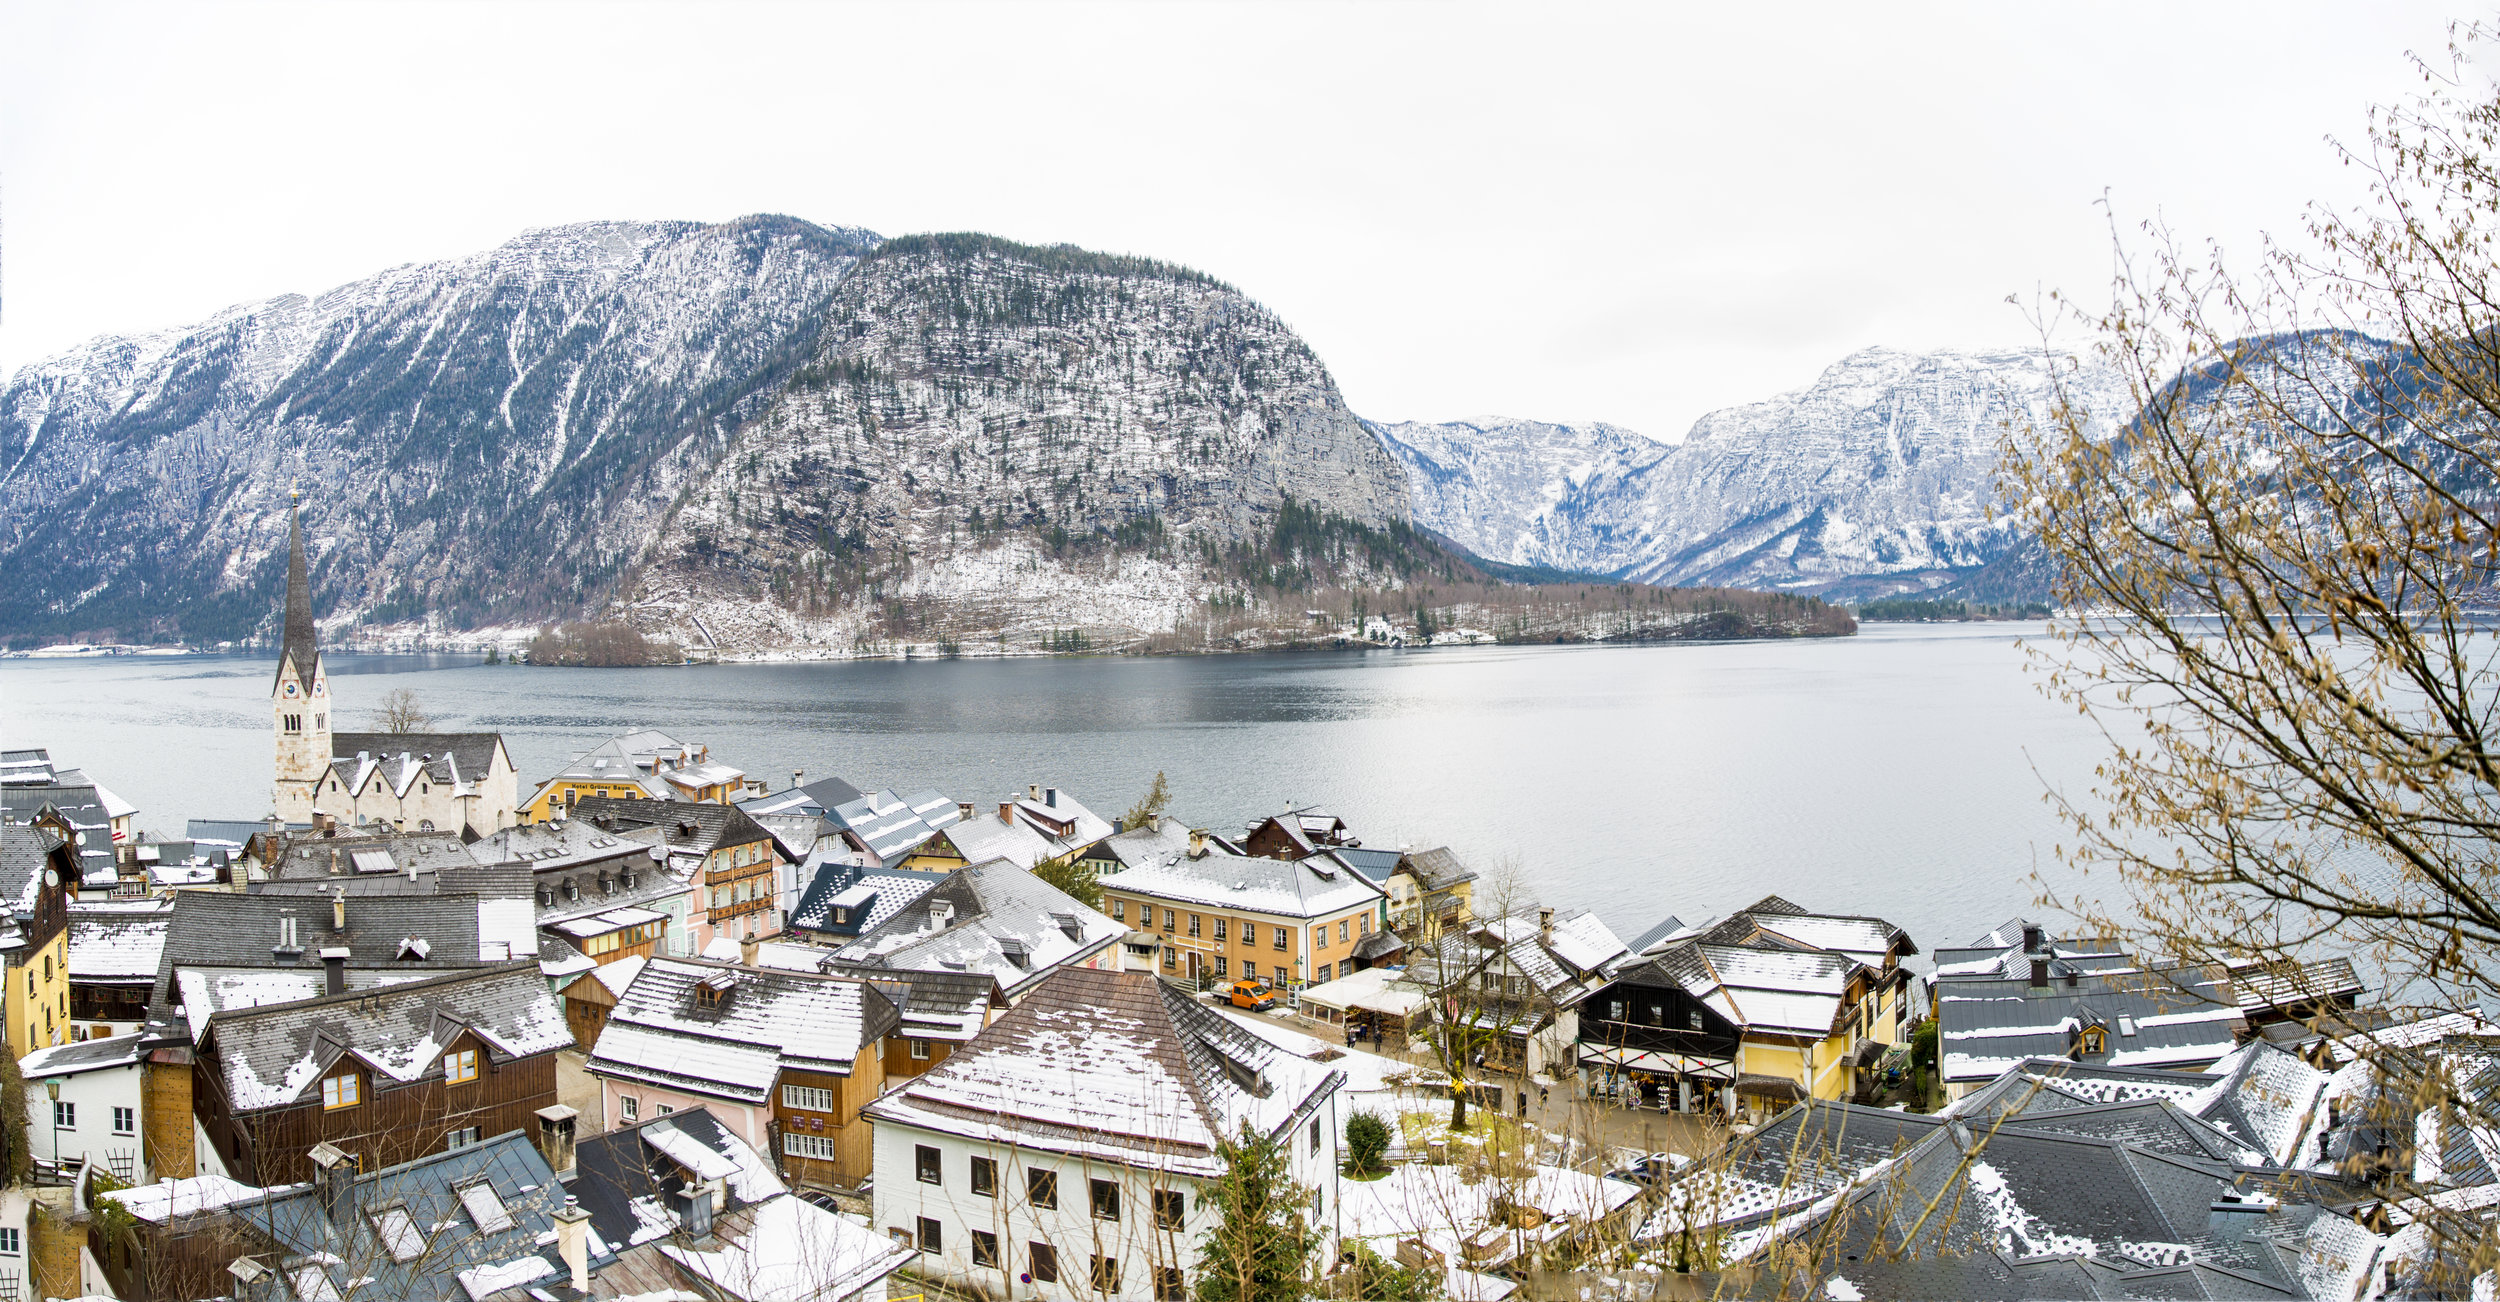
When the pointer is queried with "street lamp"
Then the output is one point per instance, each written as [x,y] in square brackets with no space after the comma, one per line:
[52,1086]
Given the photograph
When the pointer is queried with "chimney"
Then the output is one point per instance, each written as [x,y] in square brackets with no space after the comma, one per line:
[334,970]
[795,775]
[1155,821]
[1197,843]
[250,1278]
[338,909]
[573,1242]
[746,951]
[2039,971]
[337,1183]
[1545,923]
[557,1125]
[286,949]
[694,1211]
[1007,812]
[963,810]
[1033,790]
[2033,940]
[1050,797]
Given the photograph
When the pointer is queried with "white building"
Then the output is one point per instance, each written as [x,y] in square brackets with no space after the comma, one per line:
[1072,1140]
[89,1099]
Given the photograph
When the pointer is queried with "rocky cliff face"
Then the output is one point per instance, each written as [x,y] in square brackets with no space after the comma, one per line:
[764,413]
[1877,476]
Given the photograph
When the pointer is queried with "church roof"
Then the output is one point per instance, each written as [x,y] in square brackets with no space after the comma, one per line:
[299,649]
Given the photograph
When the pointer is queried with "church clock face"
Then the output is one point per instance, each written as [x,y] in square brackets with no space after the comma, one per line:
[321,689]
[290,689]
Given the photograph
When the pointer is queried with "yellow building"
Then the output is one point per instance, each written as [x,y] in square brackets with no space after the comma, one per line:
[646,765]
[1220,916]
[37,864]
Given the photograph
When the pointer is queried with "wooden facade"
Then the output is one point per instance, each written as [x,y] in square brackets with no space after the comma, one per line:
[829,1147]
[587,1003]
[389,1123]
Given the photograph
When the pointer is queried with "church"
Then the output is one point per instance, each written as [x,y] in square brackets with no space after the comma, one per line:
[409,781]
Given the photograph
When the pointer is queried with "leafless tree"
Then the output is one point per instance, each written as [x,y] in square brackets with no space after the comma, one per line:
[401,711]
[2275,567]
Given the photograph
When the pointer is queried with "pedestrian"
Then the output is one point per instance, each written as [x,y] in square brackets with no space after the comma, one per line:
[1351,1036]
[1544,1094]
[1480,1060]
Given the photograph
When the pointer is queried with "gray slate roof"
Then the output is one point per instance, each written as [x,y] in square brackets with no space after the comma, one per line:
[1003,921]
[828,876]
[220,929]
[2181,1018]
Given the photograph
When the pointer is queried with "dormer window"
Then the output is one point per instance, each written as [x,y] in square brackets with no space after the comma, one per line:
[713,991]
[339,1092]
[2095,1041]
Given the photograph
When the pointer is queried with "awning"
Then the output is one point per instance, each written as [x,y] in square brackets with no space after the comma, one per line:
[1778,1089]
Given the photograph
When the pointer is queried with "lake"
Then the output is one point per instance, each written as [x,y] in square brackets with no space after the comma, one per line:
[1896,773]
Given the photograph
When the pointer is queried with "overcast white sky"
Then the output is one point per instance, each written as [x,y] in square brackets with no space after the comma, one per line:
[1630,214]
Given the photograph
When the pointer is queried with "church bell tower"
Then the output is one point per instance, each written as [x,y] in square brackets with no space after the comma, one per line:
[299,700]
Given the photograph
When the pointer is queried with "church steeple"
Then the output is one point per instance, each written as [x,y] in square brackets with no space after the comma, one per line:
[299,651]
[300,698]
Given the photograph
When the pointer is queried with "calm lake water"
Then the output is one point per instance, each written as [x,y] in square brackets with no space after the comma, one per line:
[1897,773]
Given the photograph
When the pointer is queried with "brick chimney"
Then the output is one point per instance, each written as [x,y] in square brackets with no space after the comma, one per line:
[1007,812]
[334,970]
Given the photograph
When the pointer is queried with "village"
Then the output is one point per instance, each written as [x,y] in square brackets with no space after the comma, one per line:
[654,1027]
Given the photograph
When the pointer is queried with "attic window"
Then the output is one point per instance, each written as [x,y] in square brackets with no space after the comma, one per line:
[399,1233]
[1067,923]
[2095,1041]
[1014,952]
[414,948]
[485,1208]
[712,990]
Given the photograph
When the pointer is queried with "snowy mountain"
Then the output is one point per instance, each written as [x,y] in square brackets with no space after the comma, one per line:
[798,431]
[1876,477]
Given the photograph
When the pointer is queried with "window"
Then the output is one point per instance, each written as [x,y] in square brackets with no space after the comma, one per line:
[1119,910]
[932,1239]
[926,1165]
[125,1121]
[1614,1010]
[1283,936]
[818,1147]
[985,1177]
[919,1050]
[485,1208]
[461,1138]
[1314,1135]
[1171,958]
[1169,920]
[1106,1274]
[1366,924]
[1041,1188]
[8,1240]
[1106,1195]
[460,1068]
[1324,971]
[807,1098]
[1342,924]
[340,1092]
[1193,924]
[64,1115]
[667,1108]
[1220,962]
[1168,1209]
[628,1106]
[1249,970]
[1219,927]
[1170,1285]
[1319,936]
[399,1233]
[1045,1263]
[984,1250]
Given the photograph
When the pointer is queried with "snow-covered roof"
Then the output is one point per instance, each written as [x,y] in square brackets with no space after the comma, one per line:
[729,1031]
[269,1056]
[1112,1066]
[162,1202]
[87,1055]
[788,1247]
[992,917]
[1304,888]
[118,940]
[978,840]
[2183,1018]
[1443,1205]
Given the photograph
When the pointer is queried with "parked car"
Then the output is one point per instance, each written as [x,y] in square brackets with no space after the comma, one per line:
[1256,996]
[1652,1168]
